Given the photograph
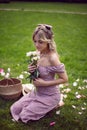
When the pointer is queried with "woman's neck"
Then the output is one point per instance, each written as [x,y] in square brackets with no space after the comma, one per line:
[44,53]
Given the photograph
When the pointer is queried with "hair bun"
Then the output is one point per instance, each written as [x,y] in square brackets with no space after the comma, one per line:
[46,26]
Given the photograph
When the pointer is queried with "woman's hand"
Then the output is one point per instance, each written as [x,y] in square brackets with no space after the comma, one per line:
[32,68]
[39,82]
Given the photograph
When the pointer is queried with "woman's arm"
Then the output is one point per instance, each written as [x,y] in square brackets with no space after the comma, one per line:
[62,77]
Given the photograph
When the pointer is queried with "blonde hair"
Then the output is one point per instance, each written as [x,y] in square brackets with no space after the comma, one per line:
[45,35]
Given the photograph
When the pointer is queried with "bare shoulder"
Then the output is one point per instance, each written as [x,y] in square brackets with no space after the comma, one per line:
[54,59]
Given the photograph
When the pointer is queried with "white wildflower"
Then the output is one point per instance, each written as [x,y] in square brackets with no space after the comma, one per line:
[78,96]
[3,74]
[61,97]
[84,103]
[76,93]
[78,80]
[21,76]
[13,120]
[8,69]
[79,87]
[79,113]
[75,84]
[85,81]
[74,106]
[66,84]
[25,72]
[57,112]
[61,85]
[65,96]
[7,75]
[67,90]
[61,103]
[86,86]
[83,108]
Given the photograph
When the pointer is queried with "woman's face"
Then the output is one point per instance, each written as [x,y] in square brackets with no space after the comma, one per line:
[40,46]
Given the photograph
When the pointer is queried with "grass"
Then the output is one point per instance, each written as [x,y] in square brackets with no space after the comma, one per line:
[16,28]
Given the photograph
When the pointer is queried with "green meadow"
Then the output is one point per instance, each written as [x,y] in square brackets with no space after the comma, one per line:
[17,23]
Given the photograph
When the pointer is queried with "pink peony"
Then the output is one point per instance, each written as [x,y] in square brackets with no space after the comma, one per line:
[1,70]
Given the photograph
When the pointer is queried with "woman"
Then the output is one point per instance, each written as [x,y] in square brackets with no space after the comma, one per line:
[38,103]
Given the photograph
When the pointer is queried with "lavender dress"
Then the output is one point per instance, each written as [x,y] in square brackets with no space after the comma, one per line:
[35,105]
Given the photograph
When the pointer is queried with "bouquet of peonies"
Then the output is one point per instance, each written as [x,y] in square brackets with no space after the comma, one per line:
[33,57]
